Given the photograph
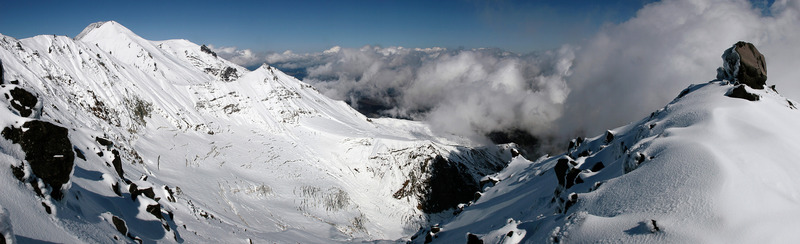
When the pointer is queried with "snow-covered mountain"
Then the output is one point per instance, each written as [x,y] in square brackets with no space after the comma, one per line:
[715,165]
[108,137]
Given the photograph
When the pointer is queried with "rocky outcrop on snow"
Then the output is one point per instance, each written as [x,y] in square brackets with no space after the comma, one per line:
[48,152]
[744,64]
[205,49]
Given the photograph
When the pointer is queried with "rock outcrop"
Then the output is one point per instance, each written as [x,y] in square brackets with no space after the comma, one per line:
[744,64]
[48,151]
[205,49]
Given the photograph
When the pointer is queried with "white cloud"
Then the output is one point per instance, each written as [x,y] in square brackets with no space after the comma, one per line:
[618,76]
[243,57]
[631,69]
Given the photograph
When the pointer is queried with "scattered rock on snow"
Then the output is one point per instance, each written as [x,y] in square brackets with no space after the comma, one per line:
[22,101]
[117,162]
[120,225]
[473,239]
[741,92]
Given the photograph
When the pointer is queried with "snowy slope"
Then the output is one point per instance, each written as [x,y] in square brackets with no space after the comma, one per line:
[171,143]
[706,168]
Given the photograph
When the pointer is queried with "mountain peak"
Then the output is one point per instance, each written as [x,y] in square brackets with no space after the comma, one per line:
[108,26]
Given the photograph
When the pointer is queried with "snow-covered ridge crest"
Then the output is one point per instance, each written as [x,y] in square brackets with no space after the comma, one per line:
[709,167]
[170,146]
[89,28]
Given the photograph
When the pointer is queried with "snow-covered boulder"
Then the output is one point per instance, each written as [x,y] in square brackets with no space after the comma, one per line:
[743,63]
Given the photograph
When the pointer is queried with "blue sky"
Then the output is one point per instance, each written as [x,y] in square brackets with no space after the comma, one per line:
[310,26]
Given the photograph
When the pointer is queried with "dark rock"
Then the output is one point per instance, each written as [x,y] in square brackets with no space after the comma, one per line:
[473,239]
[48,151]
[136,192]
[115,188]
[22,101]
[428,238]
[47,208]
[450,184]
[561,170]
[104,142]
[609,137]
[573,198]
[654,228]
[117,162]
[597,167]
[229,74]
[683,93]
[148,192]
[79,153]
[740,92]
[476,196]
[155,210]
[120,225]
[640,158]
[18,172]
[205,49]
[752,66]
[743,63]
[585,153]
[1,72]
[573,173]
[435,229]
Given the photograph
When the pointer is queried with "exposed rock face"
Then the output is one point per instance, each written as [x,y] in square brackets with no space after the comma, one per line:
[743,63]
[1,72]
[229,74]
[205,49]
[450,184]
[48,151]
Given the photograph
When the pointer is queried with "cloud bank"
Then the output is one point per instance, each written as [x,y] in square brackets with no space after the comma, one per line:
[618,76]
[628,70]
[459,91]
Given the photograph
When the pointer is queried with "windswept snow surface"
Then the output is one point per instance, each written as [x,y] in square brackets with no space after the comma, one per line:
[228,154]
[706,168]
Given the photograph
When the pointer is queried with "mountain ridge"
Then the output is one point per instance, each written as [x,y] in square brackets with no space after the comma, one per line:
[170,146]
[709,167]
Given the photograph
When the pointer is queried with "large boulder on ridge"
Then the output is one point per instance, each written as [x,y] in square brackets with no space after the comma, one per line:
[743,63]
